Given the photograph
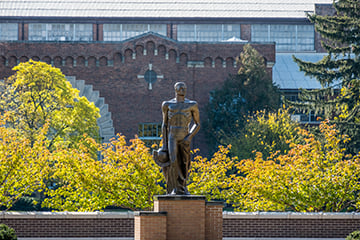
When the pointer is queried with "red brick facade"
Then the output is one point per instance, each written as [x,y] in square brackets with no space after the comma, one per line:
[117,71]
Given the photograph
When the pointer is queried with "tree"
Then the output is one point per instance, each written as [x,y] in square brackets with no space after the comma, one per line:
[126,177]
[211,177]
[248,91]
[265,132]
[38,93]
[340,69]
[23,165]
[313,176]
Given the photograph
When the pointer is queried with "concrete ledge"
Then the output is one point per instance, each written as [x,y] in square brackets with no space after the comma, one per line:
[149,213]
[129,214]
[290,215]
[179,197]
[66,215]
[214,203]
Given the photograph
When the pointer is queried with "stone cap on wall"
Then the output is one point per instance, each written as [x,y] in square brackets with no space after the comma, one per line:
[291,215]
[214,203]
[179,197]
[67,215]
[226,214]
[149,213]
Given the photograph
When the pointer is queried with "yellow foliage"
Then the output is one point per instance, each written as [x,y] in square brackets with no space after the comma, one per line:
[23,165]
[314,176]
[38,93]
[212,177]
[125,177]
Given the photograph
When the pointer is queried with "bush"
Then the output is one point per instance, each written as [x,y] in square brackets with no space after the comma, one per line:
[7,233]
[353,236]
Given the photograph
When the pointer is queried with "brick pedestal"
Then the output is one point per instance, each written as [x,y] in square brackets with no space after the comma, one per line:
[188,217]
[150,225]
[214,220]
[185,216]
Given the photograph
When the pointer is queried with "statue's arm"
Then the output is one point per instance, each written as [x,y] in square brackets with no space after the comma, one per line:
[164,126]
[196,126]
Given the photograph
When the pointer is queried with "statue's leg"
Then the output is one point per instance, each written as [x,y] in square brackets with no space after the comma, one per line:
[172,170]
[183,166]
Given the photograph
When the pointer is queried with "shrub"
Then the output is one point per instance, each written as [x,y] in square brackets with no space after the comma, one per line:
[7,233]
[353,236]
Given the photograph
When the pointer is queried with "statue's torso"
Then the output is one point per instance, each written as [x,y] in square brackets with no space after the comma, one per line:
[179,116]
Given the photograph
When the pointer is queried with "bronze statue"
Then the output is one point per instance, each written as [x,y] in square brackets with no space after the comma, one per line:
[174,156]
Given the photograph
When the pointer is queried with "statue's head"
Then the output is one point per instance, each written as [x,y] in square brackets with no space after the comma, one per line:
[180,88]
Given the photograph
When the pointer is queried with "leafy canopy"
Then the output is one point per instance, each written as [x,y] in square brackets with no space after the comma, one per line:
[126,177]
[265,132]
[23,165]
[248,91]
[313,176]
[38,94]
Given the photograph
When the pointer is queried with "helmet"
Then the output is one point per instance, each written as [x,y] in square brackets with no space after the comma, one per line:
[161,157]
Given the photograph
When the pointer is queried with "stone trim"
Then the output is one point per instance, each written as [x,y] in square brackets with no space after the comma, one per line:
[66,215]
[214,203]
[230,215]
[149,213]
[291,215]
[179,197]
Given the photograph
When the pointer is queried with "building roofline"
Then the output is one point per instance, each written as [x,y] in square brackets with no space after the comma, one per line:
[175,20]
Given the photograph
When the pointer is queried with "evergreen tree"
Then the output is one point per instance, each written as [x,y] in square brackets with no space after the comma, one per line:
[339,70]
[242,94]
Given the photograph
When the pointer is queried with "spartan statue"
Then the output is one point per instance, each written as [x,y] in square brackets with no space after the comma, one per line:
[174,156]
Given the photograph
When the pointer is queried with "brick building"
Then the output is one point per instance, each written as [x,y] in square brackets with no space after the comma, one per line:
[126,55]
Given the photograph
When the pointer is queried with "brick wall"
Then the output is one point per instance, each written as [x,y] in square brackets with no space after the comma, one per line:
[70,225]
[290,225]
[235,225]
[117,71]
[245,32]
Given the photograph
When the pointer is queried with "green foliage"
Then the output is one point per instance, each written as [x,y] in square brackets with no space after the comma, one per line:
[23,165]
[353,236]
[7,233]
[339,70]
[312,176]
[265,132]
[38,94]
[211,177]
[126,177]
[248,91]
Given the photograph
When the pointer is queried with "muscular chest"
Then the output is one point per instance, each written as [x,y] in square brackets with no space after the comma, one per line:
[179,110]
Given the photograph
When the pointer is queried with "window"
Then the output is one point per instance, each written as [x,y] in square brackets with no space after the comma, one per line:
[150,133]
[8,31]
[150,76]
[60,32]
[207,32]
[119,32]
[299,116]
[288,38]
